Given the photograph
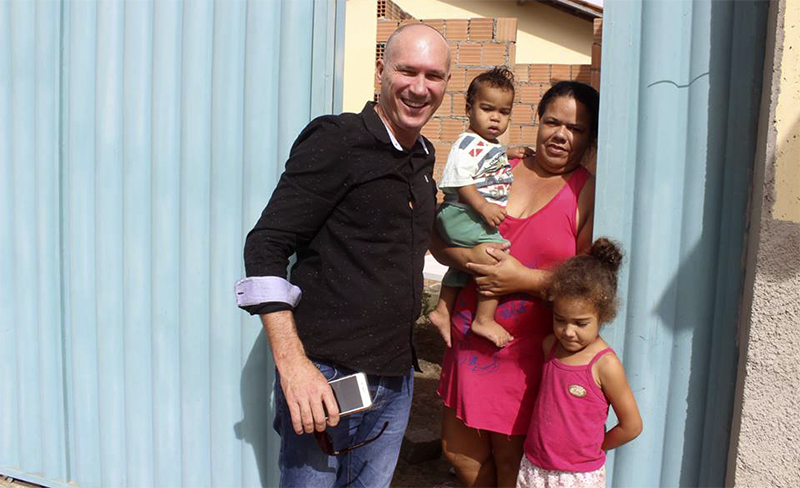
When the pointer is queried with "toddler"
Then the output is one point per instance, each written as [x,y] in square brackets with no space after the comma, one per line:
[475,183]
[566,441]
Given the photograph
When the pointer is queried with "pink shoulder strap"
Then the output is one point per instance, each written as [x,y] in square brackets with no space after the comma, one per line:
[599,355]
[577,180]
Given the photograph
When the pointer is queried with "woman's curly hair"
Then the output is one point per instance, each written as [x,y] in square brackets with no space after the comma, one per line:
[591,277]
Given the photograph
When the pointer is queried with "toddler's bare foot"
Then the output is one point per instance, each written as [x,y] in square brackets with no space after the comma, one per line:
[491,330]
[441,319]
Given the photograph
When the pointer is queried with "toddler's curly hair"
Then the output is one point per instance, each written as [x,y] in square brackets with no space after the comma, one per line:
[591,277]
[497,77]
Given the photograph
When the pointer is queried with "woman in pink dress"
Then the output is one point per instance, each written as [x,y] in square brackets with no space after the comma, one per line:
[488,392]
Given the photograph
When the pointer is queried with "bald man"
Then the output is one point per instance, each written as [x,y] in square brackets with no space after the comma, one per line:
[356,205]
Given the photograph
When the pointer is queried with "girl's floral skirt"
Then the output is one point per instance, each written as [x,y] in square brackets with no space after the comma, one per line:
[532,477]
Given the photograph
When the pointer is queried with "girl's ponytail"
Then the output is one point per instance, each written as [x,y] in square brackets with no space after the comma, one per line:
[607,252]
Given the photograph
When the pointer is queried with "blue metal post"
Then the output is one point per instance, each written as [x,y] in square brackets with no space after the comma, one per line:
[676,148]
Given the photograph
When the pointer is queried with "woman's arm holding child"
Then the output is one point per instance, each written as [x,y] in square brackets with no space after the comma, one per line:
[458,257]
[616,388]
[508,275]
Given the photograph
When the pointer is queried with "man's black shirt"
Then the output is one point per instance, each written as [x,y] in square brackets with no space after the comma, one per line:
[358,214]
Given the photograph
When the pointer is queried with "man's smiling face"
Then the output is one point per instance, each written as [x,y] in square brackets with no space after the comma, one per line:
[413,78]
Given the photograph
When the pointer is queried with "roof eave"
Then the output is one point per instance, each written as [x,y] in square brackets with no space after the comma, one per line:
[578,8]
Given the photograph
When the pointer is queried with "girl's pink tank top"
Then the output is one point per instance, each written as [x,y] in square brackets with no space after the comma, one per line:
[568,424]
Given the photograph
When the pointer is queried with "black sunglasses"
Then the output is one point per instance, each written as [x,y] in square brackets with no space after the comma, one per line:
[325,442]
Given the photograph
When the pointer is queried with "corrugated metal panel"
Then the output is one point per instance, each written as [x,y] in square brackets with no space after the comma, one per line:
[139,142]
[31,389]
[680,90]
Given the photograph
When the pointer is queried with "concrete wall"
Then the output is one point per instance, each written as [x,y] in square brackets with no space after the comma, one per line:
[764,440]
[359,54]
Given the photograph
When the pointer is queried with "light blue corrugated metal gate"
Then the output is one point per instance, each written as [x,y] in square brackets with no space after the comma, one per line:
[140,140]
[138,143]
[681,85]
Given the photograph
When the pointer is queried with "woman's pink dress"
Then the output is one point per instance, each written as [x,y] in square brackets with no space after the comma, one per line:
[495,389]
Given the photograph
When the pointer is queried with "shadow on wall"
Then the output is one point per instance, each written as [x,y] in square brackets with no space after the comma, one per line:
[703,300]
[255,428]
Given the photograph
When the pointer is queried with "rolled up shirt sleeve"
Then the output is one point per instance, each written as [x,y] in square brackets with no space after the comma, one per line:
[314,181]
[256,290]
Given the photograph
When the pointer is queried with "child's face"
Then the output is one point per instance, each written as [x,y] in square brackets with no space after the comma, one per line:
[489,115]
[575,323]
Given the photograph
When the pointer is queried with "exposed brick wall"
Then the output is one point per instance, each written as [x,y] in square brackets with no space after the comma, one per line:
[597,43]
[476,46]
[387,9]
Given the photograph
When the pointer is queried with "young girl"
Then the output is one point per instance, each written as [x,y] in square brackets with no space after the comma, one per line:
[566,440]
[475,184]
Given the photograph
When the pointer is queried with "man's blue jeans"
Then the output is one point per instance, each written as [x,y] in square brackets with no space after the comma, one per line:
[302,462]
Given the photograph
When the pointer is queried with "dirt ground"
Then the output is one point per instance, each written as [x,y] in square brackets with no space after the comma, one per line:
[426,412]
[6,482]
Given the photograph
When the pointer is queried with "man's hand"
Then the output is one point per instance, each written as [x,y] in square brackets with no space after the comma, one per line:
[306,391]
[304,387]
[492,213]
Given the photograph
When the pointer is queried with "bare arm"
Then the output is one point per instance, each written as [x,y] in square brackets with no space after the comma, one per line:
[618,391]
[492,213]
[497,272]
[458,257]
[303,385]
[298,208]
[585,216]
[508,275]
